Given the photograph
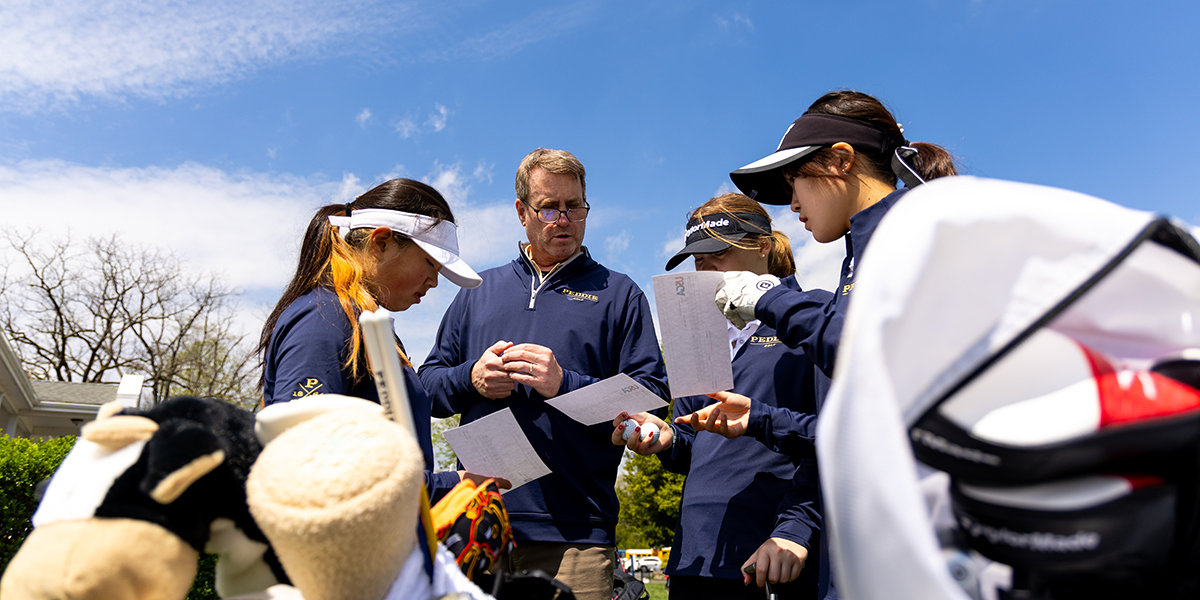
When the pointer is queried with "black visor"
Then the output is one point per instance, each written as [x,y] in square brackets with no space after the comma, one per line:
[763,180]
[715,232]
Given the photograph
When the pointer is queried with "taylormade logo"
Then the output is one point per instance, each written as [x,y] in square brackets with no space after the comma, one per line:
[705,225]
[1034,541]
[940,444]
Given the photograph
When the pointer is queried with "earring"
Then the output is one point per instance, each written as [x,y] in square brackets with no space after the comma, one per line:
[763,255]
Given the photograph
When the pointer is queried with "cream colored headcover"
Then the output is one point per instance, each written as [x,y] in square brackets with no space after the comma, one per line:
[338,496]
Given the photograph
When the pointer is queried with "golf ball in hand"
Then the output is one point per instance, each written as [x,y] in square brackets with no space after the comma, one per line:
[649,430]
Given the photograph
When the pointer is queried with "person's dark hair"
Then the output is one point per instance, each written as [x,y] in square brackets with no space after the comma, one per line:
[328,261]
[780,261]
[930,162]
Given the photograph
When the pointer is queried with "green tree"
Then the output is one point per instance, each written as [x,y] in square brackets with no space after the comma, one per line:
[443,455]
[23,465]
[204,587]
[649,503]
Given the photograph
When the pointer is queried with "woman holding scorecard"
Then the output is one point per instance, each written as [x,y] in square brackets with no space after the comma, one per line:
[754,515]
[384,249]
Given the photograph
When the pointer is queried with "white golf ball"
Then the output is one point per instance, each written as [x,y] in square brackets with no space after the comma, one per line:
[649,430]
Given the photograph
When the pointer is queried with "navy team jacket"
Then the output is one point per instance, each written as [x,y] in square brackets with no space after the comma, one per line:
[598,324]
[305,357]
[734,494]
[812,321]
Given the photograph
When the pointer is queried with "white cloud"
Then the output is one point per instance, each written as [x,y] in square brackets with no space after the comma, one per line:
[363,116]
[60,52]
[672,245]
[726,187]
[737,21]
[483,171]
[616,244]
[437,118]
[244,226]
[406,128]
[510,39]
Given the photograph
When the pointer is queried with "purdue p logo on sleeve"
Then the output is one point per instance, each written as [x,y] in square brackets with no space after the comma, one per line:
[307,387]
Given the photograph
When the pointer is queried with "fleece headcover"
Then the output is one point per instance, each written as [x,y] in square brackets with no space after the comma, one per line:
[140,495]
[338,494]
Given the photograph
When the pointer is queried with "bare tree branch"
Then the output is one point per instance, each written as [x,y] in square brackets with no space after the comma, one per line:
[95,313]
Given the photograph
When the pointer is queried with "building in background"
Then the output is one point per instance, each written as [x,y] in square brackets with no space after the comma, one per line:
[36,409]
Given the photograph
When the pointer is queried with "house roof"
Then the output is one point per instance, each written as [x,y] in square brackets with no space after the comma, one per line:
[80,393]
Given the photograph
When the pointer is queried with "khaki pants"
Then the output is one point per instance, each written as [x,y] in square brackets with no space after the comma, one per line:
[586,569]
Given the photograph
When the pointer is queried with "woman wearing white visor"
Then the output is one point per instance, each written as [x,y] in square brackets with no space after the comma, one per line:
[384,249]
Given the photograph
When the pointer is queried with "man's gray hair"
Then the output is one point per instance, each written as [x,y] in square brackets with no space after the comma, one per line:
[552,161]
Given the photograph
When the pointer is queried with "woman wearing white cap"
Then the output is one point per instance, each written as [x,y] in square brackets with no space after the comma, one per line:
[384,249]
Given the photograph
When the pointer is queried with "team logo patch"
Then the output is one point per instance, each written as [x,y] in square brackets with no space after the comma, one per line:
[308,387]
[579,296]
[766,341]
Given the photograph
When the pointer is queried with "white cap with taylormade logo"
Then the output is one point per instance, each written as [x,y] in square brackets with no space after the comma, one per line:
[437,237]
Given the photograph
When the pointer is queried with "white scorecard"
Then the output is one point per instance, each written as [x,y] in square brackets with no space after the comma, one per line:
[495,446]
[602,401]
[695,338]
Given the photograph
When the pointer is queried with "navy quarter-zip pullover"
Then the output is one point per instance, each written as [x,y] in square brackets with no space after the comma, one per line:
[812,320]
[726,514]
[598,324]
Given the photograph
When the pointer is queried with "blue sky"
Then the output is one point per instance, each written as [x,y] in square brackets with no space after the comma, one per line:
[214,129]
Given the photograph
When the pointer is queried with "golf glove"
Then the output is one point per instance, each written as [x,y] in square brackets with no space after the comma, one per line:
[737,295]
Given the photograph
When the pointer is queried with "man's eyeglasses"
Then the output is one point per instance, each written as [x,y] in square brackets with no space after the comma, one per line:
[551,215]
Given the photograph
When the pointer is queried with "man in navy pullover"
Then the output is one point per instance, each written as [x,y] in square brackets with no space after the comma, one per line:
[550,322]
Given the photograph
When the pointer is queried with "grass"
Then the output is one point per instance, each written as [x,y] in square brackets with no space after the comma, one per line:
[658,591]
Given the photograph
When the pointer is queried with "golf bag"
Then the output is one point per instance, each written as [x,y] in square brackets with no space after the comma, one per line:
[1015,399]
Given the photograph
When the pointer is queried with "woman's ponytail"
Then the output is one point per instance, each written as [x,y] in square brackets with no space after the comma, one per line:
[932,161]
[780,261]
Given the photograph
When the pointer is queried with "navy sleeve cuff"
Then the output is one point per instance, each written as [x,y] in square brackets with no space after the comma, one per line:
[758,424]
[437,485]
[761,311]
[572,381]
[794,530]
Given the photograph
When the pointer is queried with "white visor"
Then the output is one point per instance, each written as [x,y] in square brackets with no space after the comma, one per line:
[438,238]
